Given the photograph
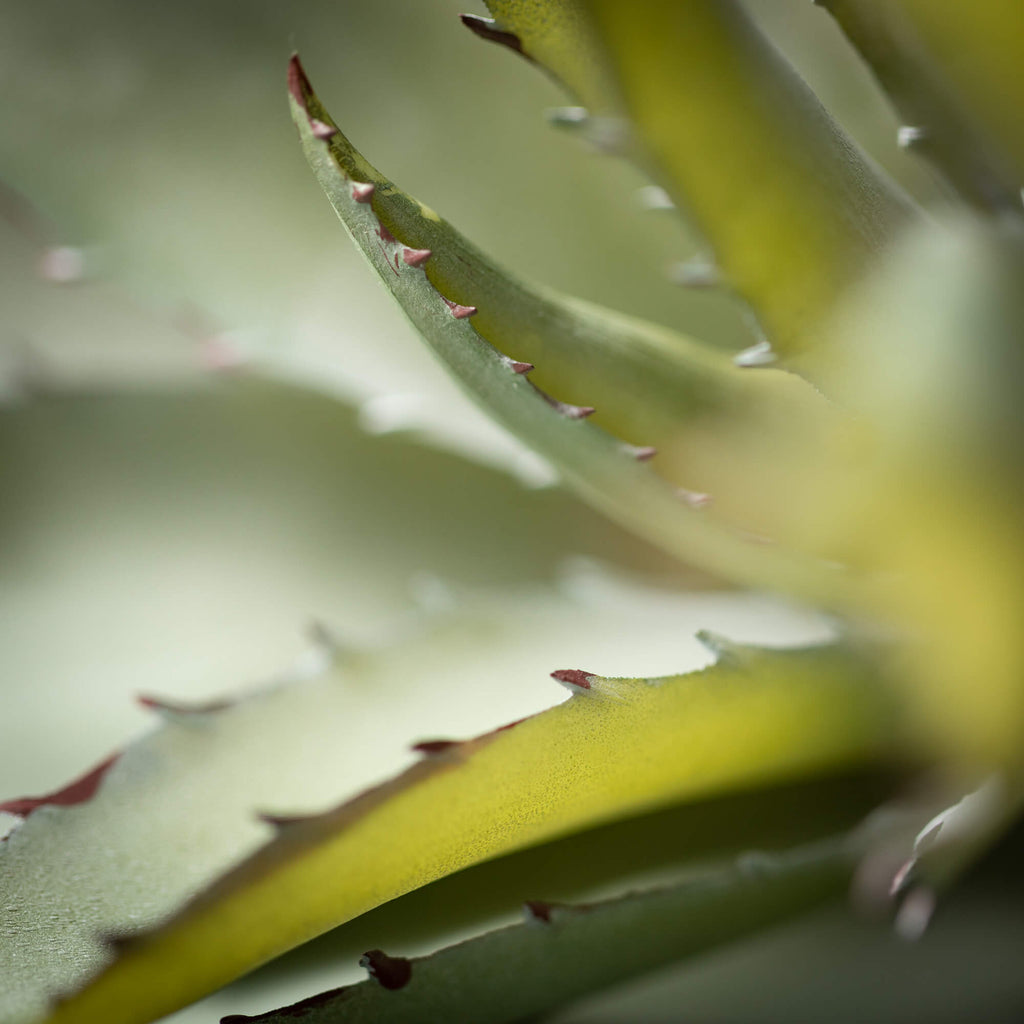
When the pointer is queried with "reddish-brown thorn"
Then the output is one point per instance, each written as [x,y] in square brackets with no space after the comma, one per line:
[574,677]
[384,235]
[459,312]
[363,192]
[431,747]
[416,257]
[486,28]
[538,910]
[280,821]
[298,83]
[321,130]
[159,704]
[77,792]
[517,367]
[393,972]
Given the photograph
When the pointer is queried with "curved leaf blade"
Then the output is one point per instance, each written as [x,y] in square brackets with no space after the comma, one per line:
[562,952]
[791,208]
[445,288]
[616,748]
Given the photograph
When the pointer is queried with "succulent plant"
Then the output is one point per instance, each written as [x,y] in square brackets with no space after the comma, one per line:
[861,457]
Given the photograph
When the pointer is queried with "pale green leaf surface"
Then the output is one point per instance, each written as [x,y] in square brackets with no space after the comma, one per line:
[954,78]
[618,748]
[791,208]
[931,361]
[562,952]
[385,223]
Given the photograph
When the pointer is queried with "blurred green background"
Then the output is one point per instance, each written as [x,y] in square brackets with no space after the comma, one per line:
[194,363]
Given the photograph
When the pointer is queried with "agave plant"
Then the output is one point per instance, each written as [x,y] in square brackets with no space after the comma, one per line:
[861,457]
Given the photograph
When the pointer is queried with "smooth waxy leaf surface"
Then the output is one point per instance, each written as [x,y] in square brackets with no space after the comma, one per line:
[792,210]
[617,747]
[447,288]
[932,363]
[562,952]
[954,78]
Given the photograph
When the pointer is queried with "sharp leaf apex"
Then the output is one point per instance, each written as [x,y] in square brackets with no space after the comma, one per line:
[321,129]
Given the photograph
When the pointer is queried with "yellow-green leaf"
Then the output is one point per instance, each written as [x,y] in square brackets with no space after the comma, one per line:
[791,208]
[616,748]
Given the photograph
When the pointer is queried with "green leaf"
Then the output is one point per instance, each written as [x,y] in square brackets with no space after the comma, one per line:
[791,208]
[932,366]
[618,747]
[954,78]
[463,305]
[561,952]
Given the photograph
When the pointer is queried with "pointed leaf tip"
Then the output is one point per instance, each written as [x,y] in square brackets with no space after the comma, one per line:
[393,972]
[487,28]
[416,257]
[298,83]
[574,677]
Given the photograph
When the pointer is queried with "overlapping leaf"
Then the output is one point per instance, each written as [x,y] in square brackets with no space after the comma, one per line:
[954,79]
[562,952]
[791,208]
[617,747]
[659,382]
